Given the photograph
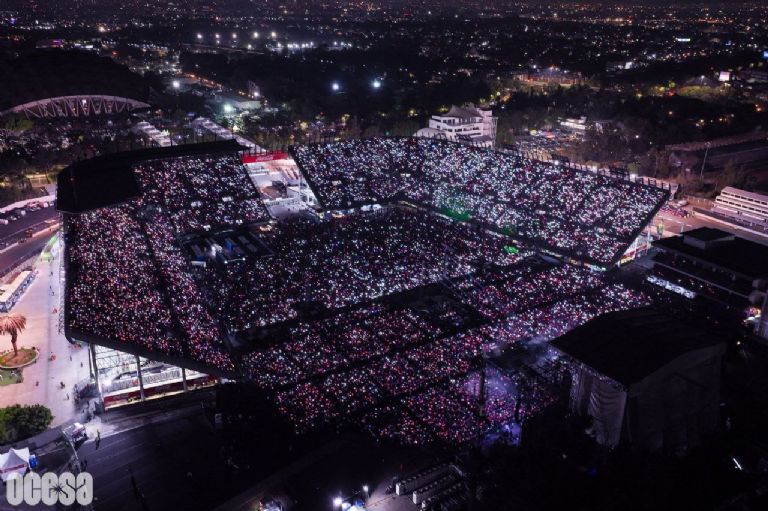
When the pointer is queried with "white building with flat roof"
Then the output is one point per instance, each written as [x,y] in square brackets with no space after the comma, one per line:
[467,124]
[154,135]
[206,125]
[742,205]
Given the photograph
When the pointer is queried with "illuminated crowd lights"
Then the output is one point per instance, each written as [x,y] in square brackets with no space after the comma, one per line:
[399,372]
[578,213]
[119,293]
[347,261]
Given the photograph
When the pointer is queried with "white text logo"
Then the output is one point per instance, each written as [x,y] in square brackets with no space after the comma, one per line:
[50,489]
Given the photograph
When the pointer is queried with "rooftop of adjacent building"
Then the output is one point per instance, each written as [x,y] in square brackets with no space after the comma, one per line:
[721,249]
[628,346]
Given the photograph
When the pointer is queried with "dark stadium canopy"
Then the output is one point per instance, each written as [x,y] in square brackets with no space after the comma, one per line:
[627,346]
[721,249]
[109,180]
[46,74]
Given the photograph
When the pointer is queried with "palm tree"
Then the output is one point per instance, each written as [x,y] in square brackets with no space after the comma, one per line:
[12,324]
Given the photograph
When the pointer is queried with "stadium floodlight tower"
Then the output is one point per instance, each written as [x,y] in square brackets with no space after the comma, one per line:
[176,84]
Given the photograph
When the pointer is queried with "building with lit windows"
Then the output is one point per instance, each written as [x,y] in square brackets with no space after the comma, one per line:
[468,124]
[743,206]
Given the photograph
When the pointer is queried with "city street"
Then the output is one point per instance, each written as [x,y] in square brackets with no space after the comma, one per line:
[169,449]
[16,253]
[15,228]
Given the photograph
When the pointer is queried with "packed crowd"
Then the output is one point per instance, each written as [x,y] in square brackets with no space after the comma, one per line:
[345,261]
[114,289]
[129,279]
[129,283]
[201,193]
[405,376]
[402,369]
[577,213]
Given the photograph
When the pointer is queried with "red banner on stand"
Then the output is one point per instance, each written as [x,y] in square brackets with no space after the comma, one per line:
[261,157]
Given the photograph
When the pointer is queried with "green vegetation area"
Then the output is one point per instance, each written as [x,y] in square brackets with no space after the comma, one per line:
[8,377]
[18,422]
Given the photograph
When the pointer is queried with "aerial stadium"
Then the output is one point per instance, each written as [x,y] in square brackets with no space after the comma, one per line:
[42,85]
[390,305]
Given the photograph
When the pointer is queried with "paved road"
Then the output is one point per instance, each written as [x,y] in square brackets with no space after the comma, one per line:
[41,379]
[174,457]
[18,252]
[175,465]
[15,229]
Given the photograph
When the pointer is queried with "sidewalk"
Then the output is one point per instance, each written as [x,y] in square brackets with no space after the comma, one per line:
[42,379]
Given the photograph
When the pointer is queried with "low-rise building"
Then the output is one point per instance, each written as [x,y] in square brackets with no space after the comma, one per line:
[719,267]
[743,206]
[153,135]
[468,124]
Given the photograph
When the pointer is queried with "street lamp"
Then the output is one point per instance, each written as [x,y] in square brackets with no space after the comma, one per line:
[273,34]
[176,86]
[199,35]
[376,84]
[335,86]
[255,35]
[337,502]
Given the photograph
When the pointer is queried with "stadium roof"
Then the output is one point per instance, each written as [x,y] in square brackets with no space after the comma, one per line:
[722,249]
[630,345]
[43,74]
[109,180]
[760,197]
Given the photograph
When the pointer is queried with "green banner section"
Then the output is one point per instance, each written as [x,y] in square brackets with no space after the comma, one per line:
[461,216]
[509,249]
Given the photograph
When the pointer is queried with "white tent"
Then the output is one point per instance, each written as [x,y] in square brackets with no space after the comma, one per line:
[15,461]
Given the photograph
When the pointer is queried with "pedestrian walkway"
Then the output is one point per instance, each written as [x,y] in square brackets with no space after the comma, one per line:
[42,380]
